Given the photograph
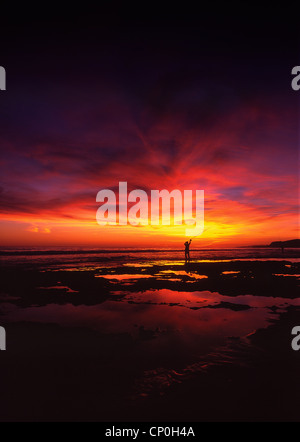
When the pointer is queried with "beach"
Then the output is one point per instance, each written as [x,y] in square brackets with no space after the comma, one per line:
[143,336]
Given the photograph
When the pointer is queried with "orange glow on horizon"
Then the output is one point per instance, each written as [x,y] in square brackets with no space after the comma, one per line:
[250,182]
[228,232]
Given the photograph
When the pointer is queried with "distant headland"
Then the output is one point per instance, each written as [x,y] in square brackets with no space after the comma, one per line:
[293,243]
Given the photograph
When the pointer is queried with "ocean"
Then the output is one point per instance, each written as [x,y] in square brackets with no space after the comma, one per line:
[74,256]
[122,332]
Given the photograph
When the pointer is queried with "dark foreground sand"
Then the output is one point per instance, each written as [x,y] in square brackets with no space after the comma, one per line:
[159,341]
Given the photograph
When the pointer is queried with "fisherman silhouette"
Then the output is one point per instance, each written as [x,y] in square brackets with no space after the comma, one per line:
[187,250]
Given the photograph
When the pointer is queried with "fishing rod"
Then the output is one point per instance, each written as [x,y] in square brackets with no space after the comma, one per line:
[199,234]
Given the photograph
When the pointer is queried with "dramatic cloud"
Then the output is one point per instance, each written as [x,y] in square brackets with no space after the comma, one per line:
[162,117]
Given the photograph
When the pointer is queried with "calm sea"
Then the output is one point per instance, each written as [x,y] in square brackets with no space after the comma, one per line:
[100,257]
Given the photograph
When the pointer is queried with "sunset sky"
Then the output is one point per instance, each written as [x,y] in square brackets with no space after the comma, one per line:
[188,103]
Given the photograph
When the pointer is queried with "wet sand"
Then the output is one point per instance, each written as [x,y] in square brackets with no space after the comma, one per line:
[150,341]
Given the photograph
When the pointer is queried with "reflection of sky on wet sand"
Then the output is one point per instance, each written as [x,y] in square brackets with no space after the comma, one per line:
[170,275]
[180,273]
[122,277]
[112,263]
[207,298]
[160,327]
[164,319]
[168,333]
[58,287]
[284,274]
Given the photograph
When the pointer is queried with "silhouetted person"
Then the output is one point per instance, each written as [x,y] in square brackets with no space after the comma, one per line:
[187,250]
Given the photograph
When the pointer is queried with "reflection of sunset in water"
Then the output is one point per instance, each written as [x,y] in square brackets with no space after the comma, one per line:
[195,322]
[151,326]
[122,277]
